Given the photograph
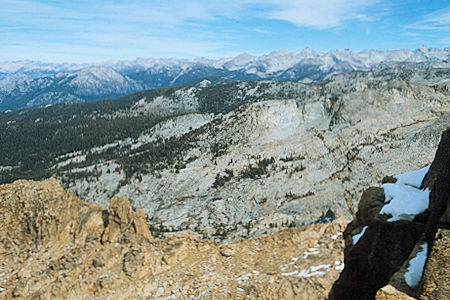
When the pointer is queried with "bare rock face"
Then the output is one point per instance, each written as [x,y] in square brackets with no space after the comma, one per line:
[372,261]
[436,276]
[34,216]
[122,220]
[379,250]
[389,292]
[55,246]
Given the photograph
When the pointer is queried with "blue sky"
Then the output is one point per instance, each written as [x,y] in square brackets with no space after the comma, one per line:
[88,31]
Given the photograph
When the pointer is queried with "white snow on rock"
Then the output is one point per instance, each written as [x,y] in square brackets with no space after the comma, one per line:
[311,251]
[289,274]
[243,278]
[314,271]
[404,198]
[412,178]
[356,237]
[334,237]
[416,266]
[339,265]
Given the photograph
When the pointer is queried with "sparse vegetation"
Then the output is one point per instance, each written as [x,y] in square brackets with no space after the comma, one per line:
[221,180]
[292,158]
[258,170]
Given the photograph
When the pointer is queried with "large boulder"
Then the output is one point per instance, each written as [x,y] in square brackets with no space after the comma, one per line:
[382,243]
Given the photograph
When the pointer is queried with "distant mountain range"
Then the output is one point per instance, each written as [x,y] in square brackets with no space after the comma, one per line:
[26,84]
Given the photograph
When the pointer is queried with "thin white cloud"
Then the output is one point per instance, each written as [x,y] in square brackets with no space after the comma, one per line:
[436,21]
[178,28]
[322,14]
[61,30]
[170,14]
[434,27]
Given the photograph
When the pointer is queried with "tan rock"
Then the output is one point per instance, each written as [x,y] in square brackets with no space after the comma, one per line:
[57,253]
[122,219]
[436,276]
[389,292]
[226,251]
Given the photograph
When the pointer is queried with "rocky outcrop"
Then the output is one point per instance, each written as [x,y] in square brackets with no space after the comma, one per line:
[381,248]
[372,261]
[55,246]
[389,292]
[436,277]
[30,222]
[124,222]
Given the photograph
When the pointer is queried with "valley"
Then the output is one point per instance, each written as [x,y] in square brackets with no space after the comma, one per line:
[240,160]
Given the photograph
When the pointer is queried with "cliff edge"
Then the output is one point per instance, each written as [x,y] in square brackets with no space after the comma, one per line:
[397,245]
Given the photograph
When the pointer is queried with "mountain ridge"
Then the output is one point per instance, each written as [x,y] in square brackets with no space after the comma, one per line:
[33,84]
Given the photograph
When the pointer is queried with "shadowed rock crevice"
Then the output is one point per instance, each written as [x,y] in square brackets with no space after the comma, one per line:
[438,179]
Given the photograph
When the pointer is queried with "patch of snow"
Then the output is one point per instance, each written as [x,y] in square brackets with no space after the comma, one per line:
[306,254]
[416,266]
[334,237]
[356,237]
[243,277]
[290,273]
[315,268]
[412,178]
[311,251]
[404,201]
[339,265]
[314,271]
[404,198]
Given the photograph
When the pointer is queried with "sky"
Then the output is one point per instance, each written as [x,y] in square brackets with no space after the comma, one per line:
[91,31]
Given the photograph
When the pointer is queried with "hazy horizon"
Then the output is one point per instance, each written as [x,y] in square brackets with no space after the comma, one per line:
[96,31]
[200,58]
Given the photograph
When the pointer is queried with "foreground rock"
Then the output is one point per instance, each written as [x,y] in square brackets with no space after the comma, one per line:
[53,245]
[436,278]
[386,246]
